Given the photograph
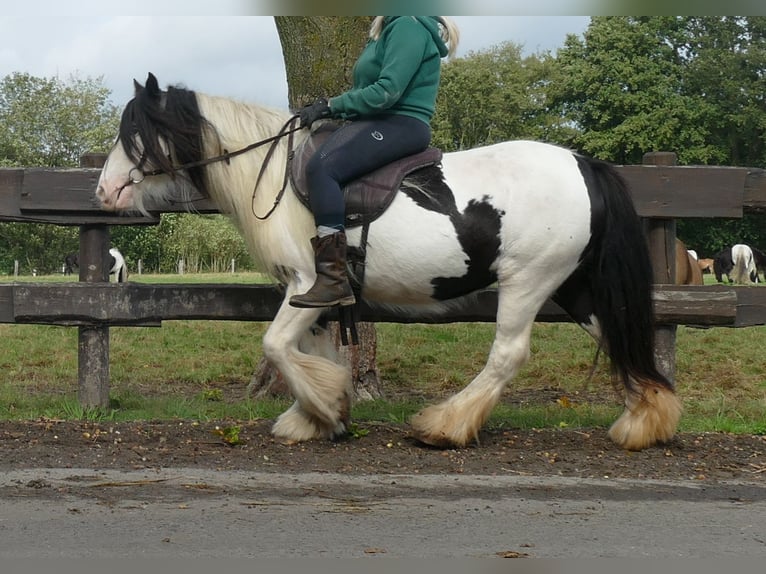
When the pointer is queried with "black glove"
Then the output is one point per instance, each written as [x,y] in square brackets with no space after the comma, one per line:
[313,112]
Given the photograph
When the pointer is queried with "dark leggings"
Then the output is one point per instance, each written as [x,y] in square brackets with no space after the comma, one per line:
[355,149]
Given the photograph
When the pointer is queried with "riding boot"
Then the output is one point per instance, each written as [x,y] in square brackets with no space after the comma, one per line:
[331,287]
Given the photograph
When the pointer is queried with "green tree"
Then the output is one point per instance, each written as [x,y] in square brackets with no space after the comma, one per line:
[621,86]
[725,60]
[35,246]
[48,122]
[207,243]
[494,95]
[692,85]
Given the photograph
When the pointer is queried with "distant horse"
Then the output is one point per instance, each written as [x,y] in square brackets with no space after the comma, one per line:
[705,265]
[759,257]
[737,263]
[537,220]
[117,265]
[723,263]
[688,272]
[70,263]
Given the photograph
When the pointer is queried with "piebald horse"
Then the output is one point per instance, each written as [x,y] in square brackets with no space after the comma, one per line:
[738,263]
[537,220]
[117,266]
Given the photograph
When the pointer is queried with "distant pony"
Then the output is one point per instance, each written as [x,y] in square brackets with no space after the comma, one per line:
[737,263]
[760,261]
[723,263]
[117,266]
[70,263]
[705,265]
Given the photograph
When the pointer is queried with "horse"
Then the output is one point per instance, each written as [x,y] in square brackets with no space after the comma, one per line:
[117,266]
[705,265]
[737,263]
[70,263]
[533,219]
[759,258]
[688,271]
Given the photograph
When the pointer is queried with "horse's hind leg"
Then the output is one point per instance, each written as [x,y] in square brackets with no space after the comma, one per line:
[457,420]
[651,410]
[322,388]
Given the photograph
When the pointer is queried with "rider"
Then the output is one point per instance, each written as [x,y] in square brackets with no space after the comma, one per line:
[390,107]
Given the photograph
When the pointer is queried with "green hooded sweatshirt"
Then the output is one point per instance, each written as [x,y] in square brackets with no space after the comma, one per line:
[398,73]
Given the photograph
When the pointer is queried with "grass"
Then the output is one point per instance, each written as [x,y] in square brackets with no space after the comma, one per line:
[200,369]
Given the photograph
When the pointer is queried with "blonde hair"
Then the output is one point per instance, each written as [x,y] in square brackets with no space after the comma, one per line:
[448,31]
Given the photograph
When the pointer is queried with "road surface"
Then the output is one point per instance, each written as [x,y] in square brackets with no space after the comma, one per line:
[194,513]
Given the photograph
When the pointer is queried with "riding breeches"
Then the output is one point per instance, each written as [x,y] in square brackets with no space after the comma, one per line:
[353,150]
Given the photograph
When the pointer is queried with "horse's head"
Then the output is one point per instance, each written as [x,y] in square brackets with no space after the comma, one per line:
[159,133]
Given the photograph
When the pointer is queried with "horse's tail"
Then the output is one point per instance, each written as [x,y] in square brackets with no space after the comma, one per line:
[621,285]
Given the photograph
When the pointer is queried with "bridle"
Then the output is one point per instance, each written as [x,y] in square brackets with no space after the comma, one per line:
[288,129]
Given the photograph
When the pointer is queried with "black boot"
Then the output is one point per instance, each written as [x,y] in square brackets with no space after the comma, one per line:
[331,287]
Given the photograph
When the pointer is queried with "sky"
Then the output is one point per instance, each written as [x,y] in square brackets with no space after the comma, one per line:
[235,55]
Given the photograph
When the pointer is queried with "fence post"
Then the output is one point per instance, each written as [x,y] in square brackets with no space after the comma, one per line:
[93,342]
[661,238]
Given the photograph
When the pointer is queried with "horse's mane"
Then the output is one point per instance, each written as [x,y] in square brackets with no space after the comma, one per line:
[173,116]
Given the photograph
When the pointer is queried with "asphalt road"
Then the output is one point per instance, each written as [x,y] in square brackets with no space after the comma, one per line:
[192,513]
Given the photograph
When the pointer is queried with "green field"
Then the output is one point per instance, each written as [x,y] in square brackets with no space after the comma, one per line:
[200,370]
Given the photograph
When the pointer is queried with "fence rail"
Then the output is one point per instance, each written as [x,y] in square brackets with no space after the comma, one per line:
[145,305]
[661,192]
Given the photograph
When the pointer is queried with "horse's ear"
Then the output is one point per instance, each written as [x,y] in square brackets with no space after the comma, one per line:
[152,85]
[136,86]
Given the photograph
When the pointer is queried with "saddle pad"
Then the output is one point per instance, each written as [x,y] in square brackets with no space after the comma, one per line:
[369,196]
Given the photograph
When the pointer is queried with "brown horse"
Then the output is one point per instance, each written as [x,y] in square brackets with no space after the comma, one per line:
[688,271]
[705,265]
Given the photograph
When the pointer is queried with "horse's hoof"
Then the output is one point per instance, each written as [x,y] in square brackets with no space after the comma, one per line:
[435,440]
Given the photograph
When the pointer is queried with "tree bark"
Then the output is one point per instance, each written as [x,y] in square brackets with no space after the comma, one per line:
[319,54]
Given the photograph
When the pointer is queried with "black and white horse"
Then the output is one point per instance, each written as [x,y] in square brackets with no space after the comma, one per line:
[738,263]
[117,266]
[536,220]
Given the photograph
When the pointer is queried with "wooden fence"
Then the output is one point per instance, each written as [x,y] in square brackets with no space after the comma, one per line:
[661,192]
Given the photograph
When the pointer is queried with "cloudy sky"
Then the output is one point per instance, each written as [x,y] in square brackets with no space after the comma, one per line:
[229,55]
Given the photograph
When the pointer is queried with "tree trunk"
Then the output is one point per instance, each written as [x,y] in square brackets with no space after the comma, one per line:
[319,53]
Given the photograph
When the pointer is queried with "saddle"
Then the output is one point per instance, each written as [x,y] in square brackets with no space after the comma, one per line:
[370,195]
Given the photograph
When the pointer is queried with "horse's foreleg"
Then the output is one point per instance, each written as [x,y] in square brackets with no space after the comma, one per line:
[321,387]
[457,421]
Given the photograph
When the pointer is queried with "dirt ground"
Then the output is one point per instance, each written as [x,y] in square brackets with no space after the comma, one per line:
[373,449]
